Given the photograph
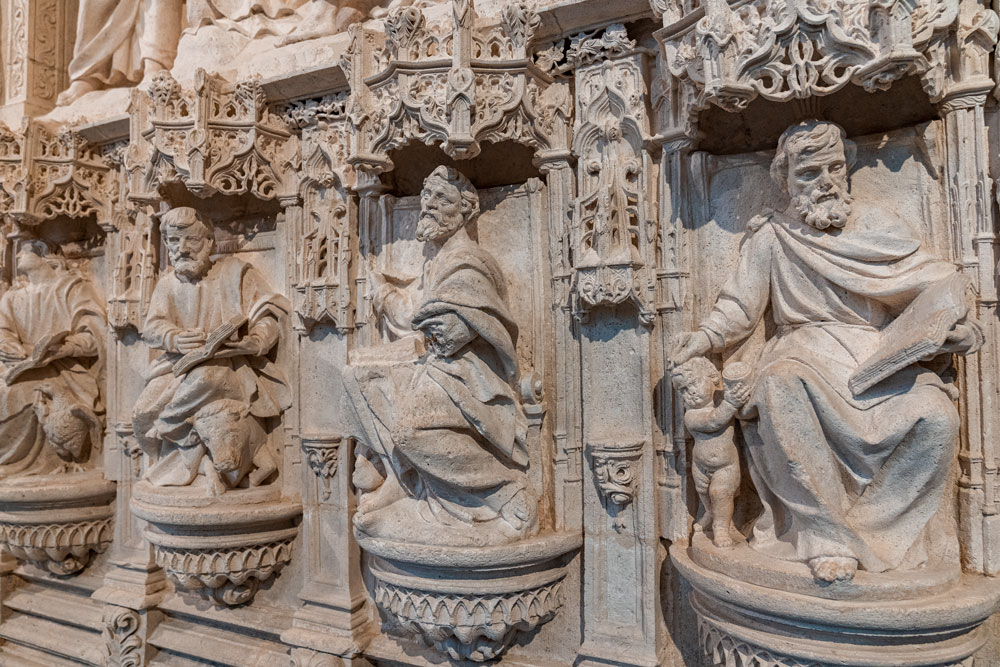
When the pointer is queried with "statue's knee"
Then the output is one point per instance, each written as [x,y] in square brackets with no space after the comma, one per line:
[780,377]
[940,417]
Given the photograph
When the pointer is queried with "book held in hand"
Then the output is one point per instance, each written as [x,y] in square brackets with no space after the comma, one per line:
[212,344]
[917,333]
[38,355]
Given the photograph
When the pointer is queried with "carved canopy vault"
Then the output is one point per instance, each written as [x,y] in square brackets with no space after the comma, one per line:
[728,54]
[455,85]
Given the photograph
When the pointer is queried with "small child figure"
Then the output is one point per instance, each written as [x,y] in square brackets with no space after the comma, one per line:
[716,465]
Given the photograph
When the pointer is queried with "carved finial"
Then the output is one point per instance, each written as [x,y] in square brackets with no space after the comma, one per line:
[164,88]
[401,26]
[520,23]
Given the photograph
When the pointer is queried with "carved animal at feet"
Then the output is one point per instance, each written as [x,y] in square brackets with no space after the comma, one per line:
[70,427]
[236,443]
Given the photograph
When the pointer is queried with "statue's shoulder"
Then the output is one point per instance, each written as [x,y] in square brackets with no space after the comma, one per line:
[232,267]
[760,221]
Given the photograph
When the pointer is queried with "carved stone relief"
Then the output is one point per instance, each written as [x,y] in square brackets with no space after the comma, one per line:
[519,333]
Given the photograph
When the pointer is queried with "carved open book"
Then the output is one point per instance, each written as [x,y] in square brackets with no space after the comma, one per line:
[918,332]
[37,359]
[212,345]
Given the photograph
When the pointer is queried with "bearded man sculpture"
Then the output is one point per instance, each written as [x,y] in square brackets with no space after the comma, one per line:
[178,417]
[443,437]
[52,336]
[850,474]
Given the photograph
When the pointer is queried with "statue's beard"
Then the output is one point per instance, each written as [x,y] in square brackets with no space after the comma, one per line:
[431,226]
[833,211]
[190,268]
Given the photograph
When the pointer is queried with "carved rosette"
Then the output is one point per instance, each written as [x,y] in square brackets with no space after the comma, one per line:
[223,548]
[614,230]
[793,49]
[215,138]
[455,85]
[61,540]
[470,604]
[46,174]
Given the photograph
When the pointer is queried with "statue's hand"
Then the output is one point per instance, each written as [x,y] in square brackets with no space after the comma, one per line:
[11,352]
[737,395]
[689,345]
[189,340]
[446,334]
[961,338]
[249,345]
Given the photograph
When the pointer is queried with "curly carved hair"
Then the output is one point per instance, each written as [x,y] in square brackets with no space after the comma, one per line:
[184,218]
[458,180]
[808,137]
[693,370]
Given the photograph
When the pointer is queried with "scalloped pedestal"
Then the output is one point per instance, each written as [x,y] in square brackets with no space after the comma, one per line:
[57,522]
[920,618]
[221,547]
[470,603]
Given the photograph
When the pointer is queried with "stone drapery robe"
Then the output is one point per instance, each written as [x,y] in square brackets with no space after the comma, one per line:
[838,474]
[164,411]
[114,36]
[253,18]
[450,429]
[27,314]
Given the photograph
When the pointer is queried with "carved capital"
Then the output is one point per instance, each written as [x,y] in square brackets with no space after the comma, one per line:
[322,456]
[617,472]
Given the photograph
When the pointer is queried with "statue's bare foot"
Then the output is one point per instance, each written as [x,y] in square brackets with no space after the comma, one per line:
[833,568]
[704,523]
[722,537]
[76,90]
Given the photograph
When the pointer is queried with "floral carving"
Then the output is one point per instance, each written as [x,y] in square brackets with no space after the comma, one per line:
[795,49]
[322,457]
[400,100]
[17,49]
[616,474]
[123,646]
[50,175]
